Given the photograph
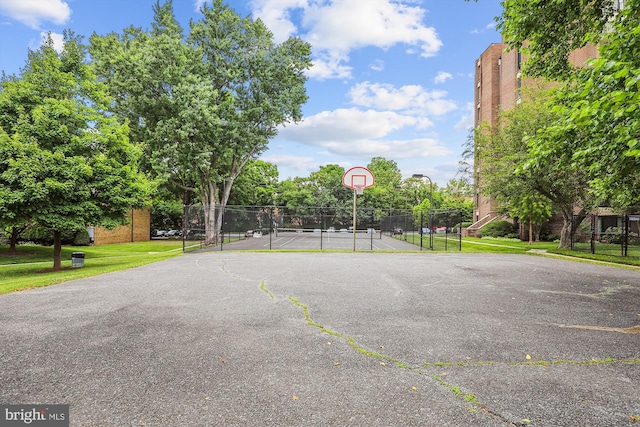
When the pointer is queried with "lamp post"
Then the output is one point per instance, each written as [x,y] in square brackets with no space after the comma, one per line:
[421,176]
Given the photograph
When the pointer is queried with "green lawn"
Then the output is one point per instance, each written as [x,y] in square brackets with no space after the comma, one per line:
[450,243]
[490,245]
[31,267]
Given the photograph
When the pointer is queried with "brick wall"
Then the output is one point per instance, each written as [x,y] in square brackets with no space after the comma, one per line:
[137,230]
[487,103]
[579,57]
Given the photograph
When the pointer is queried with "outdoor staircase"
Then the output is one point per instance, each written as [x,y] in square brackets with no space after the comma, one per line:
[474,229]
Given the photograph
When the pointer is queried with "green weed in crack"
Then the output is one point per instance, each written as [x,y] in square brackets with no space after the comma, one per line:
[267,291]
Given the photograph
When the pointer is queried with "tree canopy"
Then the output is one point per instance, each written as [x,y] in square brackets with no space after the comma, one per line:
[65,162]
[548,31]
[600,116]
[206,103]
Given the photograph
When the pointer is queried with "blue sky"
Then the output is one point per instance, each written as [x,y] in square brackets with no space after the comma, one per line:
[391,78]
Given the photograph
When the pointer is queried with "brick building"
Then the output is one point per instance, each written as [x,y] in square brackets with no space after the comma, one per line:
[497,84]
[138,229]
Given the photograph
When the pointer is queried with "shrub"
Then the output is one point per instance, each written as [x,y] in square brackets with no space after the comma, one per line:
[498,229]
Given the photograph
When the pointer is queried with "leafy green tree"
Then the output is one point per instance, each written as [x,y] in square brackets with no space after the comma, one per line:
[65,162]
[600,113]
[382,195]
[513,169]
[532,209]
[256,185]
[207,103]
[548,31]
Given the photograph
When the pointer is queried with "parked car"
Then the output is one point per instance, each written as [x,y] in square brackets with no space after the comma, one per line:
[331,230]
[397,231]
[249,233]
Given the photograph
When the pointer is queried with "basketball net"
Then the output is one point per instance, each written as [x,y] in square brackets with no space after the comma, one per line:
[359,189]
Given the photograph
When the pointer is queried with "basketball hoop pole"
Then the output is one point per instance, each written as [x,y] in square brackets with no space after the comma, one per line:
[354,219]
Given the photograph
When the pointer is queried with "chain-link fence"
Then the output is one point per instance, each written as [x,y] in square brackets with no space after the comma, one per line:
[318,228]
[437,230]
[607,234]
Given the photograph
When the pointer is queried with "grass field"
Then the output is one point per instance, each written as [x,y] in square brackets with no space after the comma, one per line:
[489,245]
[31,267]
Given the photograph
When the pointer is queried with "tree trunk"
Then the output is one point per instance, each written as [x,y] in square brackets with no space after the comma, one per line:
[210,224]
[565,233]
[570,224]
[213,210]
[13,240]
[57,250]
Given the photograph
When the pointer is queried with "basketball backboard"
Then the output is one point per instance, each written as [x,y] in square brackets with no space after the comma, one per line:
[358,178]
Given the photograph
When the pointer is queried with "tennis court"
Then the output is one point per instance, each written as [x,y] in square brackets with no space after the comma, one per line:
[319,239]
[322,228]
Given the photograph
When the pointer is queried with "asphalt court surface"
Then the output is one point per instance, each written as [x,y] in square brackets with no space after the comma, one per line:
[323,240]
[331,339]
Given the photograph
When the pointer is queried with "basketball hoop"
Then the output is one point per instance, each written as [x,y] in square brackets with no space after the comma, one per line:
[357,178]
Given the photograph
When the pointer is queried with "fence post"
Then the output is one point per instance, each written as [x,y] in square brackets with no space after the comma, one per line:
[625,238]
[460,232]
[594,234]
[184,225]
[421,227]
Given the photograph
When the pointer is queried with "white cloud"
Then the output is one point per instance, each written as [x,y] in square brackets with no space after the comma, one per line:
[396,149]
[297,163]
[33,12]
[466,122]
[354,132]
[276,14]
[377,65]
[412,99]
[489,27]
[442,77]
[336,27]
[329,67]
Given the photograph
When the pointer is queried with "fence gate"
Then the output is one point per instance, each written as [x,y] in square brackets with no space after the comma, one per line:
[608,234]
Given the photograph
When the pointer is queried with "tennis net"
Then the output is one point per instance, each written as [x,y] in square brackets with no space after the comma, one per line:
[320,232]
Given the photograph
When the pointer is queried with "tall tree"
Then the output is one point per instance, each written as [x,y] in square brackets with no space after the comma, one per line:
[515,169]
[207,103]
[66,162]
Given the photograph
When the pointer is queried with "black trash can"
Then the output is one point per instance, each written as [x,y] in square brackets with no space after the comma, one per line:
[77,259]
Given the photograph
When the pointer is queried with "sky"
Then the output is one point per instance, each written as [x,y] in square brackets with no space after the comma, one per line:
[390,78]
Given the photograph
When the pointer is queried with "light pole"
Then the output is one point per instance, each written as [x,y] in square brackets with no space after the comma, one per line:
[421,176]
